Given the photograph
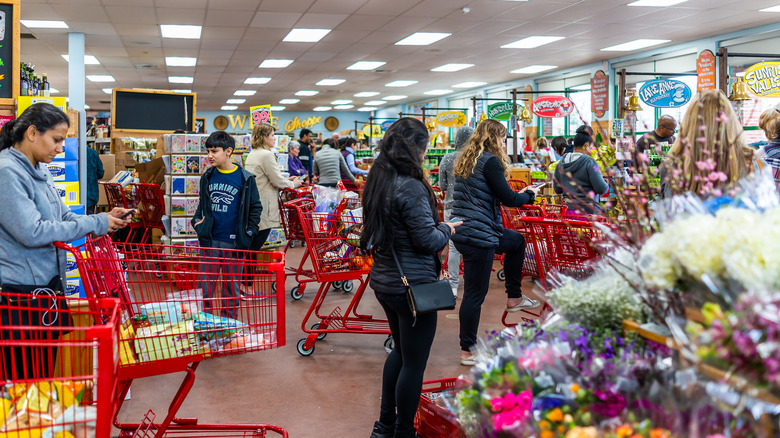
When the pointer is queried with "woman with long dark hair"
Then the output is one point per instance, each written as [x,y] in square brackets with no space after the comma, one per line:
[399,213]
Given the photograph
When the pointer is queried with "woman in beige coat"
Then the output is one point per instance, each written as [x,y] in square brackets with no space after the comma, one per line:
[262,163]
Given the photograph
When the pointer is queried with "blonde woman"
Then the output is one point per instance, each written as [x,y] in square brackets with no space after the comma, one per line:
[710,143]
[770,124]
[480,186]
[262,163]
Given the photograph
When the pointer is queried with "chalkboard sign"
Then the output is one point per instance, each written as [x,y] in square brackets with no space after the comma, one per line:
[9,52]
[153,110]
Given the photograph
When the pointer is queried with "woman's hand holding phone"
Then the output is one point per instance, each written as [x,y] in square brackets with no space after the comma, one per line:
[119,218]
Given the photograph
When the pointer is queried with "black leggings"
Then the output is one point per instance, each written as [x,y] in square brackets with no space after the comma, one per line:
[402,377]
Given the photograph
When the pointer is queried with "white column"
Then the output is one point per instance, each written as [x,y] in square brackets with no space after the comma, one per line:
[77,96]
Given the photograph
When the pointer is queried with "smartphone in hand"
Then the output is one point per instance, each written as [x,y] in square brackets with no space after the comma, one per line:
[124,216]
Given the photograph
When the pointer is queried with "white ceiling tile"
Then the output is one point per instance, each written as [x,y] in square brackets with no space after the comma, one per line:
[344,36]
[211,33]
[222,45]
[404,26]
[91,29]
[337,6]
[215,17]
[130,30]
[234,5]
[187,15]
[129,14]
[184,4]
[40,12]
[285,5]
[285,20]
[384,7]
[78,11]
[320,21]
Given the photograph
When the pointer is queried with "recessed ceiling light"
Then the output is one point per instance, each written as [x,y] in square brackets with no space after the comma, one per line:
[472,84]
[375,102]
[437,92]
[228,107]
[44,24]
[634,45]
[289,101]
[395,97]
[366,94]
[451,67]
[400,83]
[187,31]
[581,87]
[105,90]
[257,81]
[180,79]
[307,93]
[182,90]
[235,101]
[343,106]
[86,106]
[53,90]
[531,69]
[275,63]
[101,78]
[277,108]
[367,108]
[656,3]
[330,82]
[422,38]
[180,61]
[245,93]
[322,108]
[772,9]
[88,60]
[306,35]
[532,42]
[341,102]
[366,65]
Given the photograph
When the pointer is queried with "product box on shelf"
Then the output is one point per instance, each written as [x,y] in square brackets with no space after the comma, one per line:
[68,191]
[74,288]
[64,171]
[70,150]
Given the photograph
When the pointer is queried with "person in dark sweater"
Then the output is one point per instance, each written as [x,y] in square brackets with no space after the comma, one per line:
[663,133]
[400,217]
[305,154]
[227,218]
[578,177]
[480,188]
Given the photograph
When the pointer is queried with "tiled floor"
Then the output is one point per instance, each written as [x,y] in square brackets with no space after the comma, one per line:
[332,393]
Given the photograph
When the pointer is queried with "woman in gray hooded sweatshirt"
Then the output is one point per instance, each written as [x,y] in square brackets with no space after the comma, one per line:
[578,176]
[447,185]
[33,217]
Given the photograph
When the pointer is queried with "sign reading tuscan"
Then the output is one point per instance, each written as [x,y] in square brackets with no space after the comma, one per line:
[296,123]
[763,79]
[500,111]
[549,107]
[665,93]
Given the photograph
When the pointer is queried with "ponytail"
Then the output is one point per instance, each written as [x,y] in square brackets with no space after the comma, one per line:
[42,115]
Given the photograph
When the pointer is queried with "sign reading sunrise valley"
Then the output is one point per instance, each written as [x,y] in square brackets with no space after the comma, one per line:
[763,79]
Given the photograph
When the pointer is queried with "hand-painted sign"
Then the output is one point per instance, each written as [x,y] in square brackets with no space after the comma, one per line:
[763,79]
[705,69]
[549,107]
[451,119]
[260,114]
[599,94]
[374,130]
[665,93]
[500,111]
[386,125]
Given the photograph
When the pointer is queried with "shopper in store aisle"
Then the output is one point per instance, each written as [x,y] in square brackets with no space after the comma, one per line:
[262,163]
[663,133]
[329,164]
[770,124]
[347,146]
[33,217]
[709,129]
[447,185]
[227,218]
[578,176]
[399,211]
[480,188]
[94,173]
[294,165]
[306,156]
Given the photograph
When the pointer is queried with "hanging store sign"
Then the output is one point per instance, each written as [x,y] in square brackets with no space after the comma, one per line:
[665,93]
[500,111]
[260,114]
[451,119]
[386,125]
[763,79]
[599,93]
[372,130]
[705,70]
[550,107]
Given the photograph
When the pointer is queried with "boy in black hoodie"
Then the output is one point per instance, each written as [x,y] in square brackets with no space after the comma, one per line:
[578,177]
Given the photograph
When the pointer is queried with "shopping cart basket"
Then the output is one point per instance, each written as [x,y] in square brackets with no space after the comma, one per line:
[151,207]
[187,299]
[292,228]
[513,220]
[59,376]
[333,240]
[117,197]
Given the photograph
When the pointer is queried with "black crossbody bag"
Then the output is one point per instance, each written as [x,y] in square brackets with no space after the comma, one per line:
[429,297]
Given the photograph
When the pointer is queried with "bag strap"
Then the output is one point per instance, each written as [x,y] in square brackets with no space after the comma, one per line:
[397,263]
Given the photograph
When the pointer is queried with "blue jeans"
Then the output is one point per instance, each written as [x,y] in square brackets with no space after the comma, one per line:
[210,279]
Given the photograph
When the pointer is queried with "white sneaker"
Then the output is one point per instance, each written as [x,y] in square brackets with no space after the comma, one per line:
[527,303]
[455,293]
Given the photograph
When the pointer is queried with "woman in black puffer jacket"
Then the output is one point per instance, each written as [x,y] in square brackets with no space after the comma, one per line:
[399,212]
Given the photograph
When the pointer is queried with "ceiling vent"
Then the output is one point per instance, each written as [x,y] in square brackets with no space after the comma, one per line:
[384,71]
[148,67]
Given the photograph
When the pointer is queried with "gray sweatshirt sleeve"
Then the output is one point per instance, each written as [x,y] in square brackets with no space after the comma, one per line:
[596,180]
[22,220]
[443,174]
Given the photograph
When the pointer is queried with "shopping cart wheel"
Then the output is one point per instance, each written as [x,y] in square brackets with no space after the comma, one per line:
[273,286]
[337,284]
[389,344]
[501,274]
[295,294]
[320,336]
[348,286]
[302,351]
[292,244]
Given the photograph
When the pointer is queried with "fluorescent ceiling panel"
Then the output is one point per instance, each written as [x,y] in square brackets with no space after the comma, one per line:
[305,35]
[634,45]
[375,102]
[88,59]
[277,108]
[235,101]
[307,93]
[182,90]
[366,65]
[437,92]
[180,79]
[366,94]
[275,63]
[772,9]
[452,67]
[656,3]
[289,101]
[322,108]
[245,93]
[101,78]
[531,69]
[395,97]
[422,38]
[257,81]
[367,108]
[471,84]
[105,90]
[44,24]
[228,107]
[189,32]
[532,42]
[400,83]
[341,102]
[330,82]
[180,61]
[343,107]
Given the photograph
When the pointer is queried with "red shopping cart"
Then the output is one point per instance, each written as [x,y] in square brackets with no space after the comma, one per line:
[118,197]
[187,300]
[151,207]
[513,220]
[292,228]
[59,376]
[333,240]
